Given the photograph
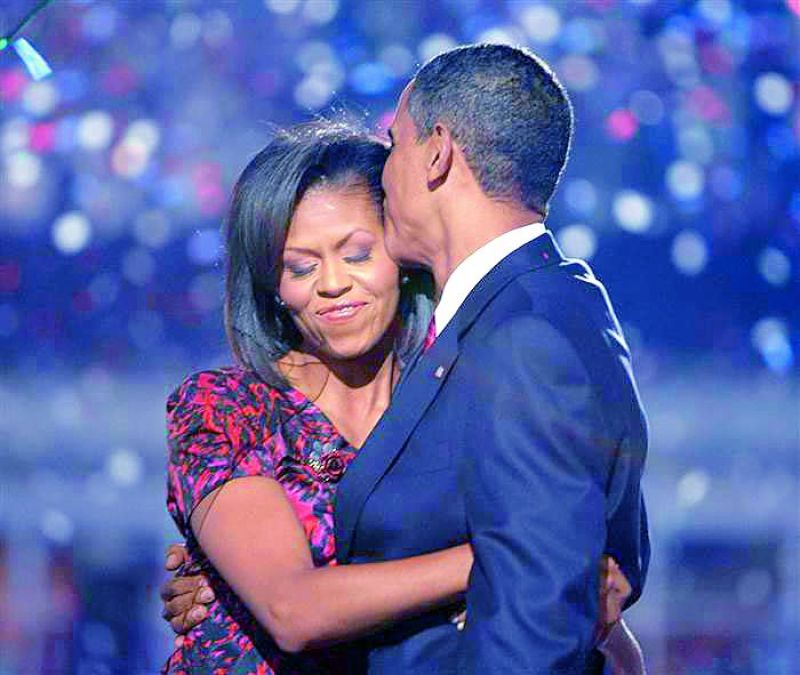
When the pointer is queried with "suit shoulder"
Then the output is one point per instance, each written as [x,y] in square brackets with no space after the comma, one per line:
[568,297]
[569,286]
[570,278]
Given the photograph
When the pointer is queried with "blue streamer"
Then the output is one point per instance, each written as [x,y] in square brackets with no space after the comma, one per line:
[33,60]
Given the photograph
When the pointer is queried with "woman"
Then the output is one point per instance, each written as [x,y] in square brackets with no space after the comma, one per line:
[321,323]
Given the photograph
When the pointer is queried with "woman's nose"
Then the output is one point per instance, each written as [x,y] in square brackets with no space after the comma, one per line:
[333,280]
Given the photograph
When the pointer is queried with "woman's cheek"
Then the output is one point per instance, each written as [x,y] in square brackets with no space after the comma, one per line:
[384,287]
[386,276]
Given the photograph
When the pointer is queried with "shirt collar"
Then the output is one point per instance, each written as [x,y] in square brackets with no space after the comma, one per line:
[477,265]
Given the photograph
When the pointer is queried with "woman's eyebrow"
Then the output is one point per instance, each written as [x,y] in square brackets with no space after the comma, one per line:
[349,235]
[298,249]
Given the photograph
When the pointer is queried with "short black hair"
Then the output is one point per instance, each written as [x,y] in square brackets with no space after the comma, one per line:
[322,153]
[506,109]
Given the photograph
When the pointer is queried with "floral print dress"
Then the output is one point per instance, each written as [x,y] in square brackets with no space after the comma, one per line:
[225,424]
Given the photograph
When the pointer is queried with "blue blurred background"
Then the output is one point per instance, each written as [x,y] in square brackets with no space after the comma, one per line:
[683,191]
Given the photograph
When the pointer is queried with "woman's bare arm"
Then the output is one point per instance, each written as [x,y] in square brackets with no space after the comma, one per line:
[622,651]
[252,536]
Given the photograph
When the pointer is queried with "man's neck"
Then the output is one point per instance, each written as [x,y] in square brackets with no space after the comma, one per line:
[466,234]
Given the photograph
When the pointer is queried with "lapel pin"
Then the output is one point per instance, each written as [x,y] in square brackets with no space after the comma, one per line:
[439,372]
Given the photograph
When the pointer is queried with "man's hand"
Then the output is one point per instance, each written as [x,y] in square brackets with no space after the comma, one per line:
[184,597]
[614,591]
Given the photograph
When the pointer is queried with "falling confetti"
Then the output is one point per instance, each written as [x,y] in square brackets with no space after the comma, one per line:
[37,66]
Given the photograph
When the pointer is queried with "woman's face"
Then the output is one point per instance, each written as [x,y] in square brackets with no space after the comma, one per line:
[338,282]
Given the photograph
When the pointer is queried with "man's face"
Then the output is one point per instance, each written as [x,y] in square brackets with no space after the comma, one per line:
[405,186]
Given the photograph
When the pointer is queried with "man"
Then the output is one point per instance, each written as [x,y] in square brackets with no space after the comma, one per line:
[520,429]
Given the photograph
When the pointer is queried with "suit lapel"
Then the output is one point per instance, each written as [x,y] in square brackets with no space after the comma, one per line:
[541,252]
[412,399]
[418,390]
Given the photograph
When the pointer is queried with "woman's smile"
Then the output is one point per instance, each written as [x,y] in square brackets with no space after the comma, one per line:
[341,312]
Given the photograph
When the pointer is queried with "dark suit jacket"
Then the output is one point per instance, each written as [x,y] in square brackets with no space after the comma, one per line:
[520,431]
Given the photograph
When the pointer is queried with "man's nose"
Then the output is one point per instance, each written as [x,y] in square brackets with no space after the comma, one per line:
[333,280]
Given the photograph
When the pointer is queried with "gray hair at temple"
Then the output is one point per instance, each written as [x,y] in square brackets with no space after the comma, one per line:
[506,109]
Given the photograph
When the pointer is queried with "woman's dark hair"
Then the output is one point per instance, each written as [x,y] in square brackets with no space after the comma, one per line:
[323,153]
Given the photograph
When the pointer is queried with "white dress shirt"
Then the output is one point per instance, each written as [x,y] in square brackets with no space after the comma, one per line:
[477,265]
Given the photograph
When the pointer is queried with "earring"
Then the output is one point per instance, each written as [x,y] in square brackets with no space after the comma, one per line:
[404,279]
[279,301]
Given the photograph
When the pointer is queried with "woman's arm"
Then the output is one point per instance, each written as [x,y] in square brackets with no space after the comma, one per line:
[220,491]
[614,639]
[622,651]
[185,598]
[250,533]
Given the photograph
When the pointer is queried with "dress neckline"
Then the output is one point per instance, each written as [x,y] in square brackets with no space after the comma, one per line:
[303,405]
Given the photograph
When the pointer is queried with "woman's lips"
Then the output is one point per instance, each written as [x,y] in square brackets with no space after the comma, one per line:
[341,313]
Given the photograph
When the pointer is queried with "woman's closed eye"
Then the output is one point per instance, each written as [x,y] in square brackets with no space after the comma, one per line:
[297,271]
[361,256]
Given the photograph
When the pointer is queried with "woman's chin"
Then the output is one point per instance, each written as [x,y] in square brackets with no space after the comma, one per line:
[347,352]
[350,350]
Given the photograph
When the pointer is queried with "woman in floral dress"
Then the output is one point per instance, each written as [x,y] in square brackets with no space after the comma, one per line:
[321,322]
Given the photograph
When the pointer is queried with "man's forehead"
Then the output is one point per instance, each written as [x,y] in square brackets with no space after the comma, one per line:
[403,100]
[401,110]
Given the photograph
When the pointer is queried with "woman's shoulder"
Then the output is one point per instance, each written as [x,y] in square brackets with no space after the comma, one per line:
[227,386]
[221,425]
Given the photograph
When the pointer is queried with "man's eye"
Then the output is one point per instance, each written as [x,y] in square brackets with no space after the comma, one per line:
[363,256]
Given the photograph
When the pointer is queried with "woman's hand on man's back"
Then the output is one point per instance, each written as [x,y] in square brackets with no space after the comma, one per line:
[185,598]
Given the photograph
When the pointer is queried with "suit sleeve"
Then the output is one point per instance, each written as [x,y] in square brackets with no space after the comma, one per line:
[534,485]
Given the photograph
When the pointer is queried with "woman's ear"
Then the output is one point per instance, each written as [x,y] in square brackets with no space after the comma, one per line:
[440,155]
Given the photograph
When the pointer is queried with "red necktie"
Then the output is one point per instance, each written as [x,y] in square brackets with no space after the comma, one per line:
[430,336]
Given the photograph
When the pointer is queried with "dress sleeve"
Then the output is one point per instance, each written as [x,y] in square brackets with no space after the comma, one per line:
[212,439]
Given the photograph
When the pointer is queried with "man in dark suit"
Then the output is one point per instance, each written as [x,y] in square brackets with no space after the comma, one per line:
[520,429]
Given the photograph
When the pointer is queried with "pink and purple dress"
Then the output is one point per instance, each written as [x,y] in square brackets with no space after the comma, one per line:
[225,424]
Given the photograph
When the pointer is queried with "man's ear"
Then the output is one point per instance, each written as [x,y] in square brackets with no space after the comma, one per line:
[440,155]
